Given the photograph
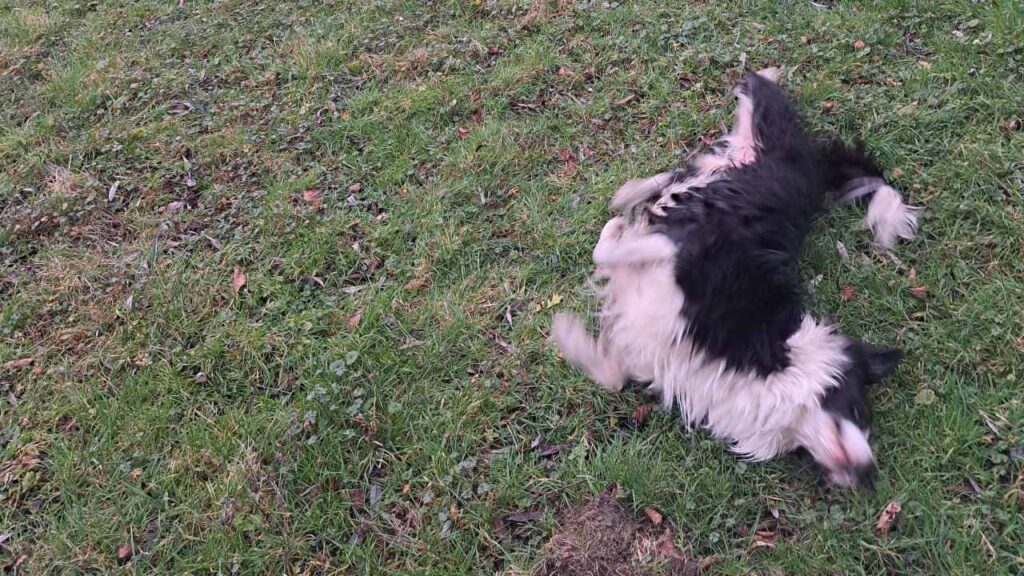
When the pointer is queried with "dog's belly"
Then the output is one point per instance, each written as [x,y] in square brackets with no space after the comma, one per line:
[643,317]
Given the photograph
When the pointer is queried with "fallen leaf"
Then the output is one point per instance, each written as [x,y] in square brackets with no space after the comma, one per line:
[354,320]
[764,539]
[358,498]
[415,284]
[653,515]
[925,397]
[524,516]
[237,279]
[912,276]
[179,108]
[828,105]
[919,292]
[173,207]
[641,412]
[553,301]
[858,45]
[200,378]
[18,364]
[847,293]
[624,101]
[565,72]
[134,474]
[355,188]
[667,547]
[66,424]
[896,172]
[474,96]
[314,197]
[843,253]
[406,488]
[536,442]
[124,553]
[112,191]
[889,517]
[551,450]
[1013,125]
[569,160]
[462,132]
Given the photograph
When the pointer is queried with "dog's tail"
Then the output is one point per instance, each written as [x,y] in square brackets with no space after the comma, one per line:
[858,178]
[582,350]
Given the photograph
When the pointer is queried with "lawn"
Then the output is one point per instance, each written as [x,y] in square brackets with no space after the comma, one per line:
[276,280]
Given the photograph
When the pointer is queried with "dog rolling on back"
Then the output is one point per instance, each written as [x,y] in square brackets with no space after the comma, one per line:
[701,298]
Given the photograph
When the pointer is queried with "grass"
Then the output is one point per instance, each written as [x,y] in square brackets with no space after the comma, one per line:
[367,401]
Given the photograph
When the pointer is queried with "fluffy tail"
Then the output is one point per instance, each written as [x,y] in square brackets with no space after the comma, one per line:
[583,351]
[858,176]
[888,218]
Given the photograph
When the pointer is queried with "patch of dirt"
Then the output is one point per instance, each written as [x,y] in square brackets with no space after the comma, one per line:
[603,538]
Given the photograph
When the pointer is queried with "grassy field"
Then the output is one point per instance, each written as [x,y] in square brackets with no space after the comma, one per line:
[276,277]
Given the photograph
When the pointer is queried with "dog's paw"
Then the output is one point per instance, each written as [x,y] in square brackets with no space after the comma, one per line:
[613,229]
[771,74]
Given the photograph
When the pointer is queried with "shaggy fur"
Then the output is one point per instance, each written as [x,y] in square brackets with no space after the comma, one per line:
[702,297]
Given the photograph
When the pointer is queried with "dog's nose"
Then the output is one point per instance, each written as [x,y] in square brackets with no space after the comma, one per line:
[865,476]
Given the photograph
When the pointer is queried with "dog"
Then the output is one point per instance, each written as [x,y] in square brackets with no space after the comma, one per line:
[700,293]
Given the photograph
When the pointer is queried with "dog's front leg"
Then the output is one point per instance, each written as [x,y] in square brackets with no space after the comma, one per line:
[614,248]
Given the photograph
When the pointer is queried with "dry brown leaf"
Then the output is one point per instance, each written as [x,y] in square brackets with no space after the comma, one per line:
[828,105]
[624,101]
[314,197]
[462,132]
[134,474]
[653,515]
[919,292]
[18,364]
[124,553]
[355,188]
[764,539]
[354,320]
[847,293]
[641,412]
[474,96]
[889,517]
[667,547]
[897,172]
[415,284]
[859,44]
[237,279]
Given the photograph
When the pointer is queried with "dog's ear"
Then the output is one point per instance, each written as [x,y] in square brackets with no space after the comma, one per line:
[880,362]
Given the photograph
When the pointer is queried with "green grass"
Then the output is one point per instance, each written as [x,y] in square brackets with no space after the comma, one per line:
[331,416]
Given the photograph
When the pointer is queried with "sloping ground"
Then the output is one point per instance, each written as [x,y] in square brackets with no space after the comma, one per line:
[275,281]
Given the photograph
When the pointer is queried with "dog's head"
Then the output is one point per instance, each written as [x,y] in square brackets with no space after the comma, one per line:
[837,434]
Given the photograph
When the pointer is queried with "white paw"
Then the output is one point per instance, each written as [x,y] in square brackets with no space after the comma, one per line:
[771,74]
[613,229]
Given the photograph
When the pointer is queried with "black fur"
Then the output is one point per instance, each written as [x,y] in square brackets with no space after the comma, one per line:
[740,237]
[868,365]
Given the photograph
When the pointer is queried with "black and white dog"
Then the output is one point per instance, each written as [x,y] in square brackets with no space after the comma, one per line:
[701,294]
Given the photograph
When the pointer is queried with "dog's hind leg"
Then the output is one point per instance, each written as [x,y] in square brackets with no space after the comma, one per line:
[615,248]
[589,354]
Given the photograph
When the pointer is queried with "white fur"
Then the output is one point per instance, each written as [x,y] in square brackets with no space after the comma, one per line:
[634,192]
[643,337]
[889,218]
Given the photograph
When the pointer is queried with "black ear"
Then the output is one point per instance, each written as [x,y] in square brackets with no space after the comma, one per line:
[880,361]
